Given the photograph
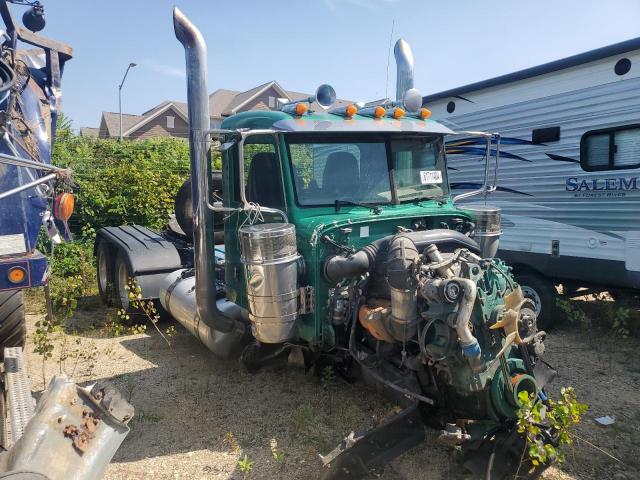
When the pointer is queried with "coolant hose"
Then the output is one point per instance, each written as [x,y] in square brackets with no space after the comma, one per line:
[469,343]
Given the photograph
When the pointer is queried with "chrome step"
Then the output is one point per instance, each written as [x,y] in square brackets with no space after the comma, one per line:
[20,403]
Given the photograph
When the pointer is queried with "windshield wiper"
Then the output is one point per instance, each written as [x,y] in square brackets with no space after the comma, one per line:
[375,208]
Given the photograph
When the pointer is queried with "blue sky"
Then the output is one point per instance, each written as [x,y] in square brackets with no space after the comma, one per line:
[303,43]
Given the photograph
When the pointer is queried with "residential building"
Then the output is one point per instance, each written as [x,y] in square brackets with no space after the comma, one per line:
[169,118]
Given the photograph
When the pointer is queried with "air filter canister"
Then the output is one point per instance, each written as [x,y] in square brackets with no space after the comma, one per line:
[270,259]
[488,228]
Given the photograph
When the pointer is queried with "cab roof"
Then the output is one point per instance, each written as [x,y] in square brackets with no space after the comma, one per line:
[326,123]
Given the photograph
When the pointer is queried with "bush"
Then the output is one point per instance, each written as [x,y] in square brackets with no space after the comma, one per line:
[123,182]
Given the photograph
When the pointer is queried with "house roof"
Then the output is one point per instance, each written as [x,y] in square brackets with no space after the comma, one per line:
[112,122]
[178,107]
[219,100]
[245,97]
[89,131]
[568,62]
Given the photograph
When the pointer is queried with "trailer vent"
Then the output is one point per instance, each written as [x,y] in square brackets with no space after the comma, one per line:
[545,135]
[622,66]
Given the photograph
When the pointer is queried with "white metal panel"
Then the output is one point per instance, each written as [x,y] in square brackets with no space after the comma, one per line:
[540,196]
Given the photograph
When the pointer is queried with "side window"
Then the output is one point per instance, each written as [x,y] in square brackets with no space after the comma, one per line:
[610,149]
[262,173]
[171,122]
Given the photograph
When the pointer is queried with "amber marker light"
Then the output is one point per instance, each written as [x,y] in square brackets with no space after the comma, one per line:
[350,110]
[424,113]
[63,206]
[17,275]
[301,109]
[398,113]
[379,112]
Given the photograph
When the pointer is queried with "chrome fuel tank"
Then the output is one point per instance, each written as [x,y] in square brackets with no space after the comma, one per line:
[270,259]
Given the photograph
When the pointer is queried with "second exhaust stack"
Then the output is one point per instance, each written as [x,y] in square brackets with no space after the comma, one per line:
[404,64]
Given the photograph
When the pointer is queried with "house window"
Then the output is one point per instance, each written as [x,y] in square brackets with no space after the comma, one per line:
[272,102]
[614,148]
[171,122]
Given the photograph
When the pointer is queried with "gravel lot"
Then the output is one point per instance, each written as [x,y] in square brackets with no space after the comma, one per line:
[198,417]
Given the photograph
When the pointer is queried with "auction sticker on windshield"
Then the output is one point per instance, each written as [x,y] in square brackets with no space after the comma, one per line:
[430,177]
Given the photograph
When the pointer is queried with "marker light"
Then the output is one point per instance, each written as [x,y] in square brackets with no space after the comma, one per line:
[17,275]
[350,110]
[301,109]
[63,206]
[375,112]
[346,111]
[424,113]
[398,113]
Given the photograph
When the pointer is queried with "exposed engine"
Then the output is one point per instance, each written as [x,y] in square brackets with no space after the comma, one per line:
[439,325]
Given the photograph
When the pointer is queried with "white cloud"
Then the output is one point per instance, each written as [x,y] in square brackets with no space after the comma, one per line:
[163,69]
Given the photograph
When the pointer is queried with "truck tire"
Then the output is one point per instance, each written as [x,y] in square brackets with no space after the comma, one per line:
[105,267]
[184,206]
[542,292]
[121,274]
[13,328]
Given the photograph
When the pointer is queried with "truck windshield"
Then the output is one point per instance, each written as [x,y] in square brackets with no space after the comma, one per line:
[359,169]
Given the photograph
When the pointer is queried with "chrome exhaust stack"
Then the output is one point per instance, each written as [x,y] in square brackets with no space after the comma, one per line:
[199,144]
[404,68]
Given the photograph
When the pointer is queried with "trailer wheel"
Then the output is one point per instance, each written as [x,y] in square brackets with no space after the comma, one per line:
[105,264]
[13,329]
[542,293]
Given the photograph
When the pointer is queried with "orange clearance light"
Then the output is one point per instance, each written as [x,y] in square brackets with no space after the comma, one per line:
[350,110]
[398,113]
[424,113]
[63,206]
[301,109]
[379,112]
[17,275]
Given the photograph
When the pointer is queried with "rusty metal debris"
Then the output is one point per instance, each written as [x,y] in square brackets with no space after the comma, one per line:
[80,437]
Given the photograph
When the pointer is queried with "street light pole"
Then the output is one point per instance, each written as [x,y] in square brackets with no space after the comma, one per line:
[120,95]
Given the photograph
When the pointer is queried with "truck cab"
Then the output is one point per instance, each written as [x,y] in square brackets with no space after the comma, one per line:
[342,181]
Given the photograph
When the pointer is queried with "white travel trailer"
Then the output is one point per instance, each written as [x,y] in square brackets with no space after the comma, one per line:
[569,178]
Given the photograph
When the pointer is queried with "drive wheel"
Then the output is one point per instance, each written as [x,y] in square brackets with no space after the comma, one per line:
[13,329]
[121,275]
[105,264]
[542,292]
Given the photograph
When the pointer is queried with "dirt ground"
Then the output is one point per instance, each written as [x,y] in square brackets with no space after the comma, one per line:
[201,418]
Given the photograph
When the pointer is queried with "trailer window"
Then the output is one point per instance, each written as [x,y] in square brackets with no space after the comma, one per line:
[611,149]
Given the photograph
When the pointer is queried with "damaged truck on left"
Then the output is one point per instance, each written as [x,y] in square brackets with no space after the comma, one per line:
[72,432]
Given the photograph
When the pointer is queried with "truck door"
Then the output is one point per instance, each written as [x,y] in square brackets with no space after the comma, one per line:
[262,184]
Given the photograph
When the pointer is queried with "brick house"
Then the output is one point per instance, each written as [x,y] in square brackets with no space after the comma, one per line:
[170,118]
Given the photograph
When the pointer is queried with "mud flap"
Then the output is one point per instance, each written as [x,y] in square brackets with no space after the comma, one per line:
[360,453]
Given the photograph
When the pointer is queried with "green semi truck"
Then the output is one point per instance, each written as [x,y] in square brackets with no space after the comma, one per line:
[330,237]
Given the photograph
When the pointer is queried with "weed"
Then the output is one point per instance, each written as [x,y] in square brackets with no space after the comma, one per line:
[130,387]
[171,331]
[148,309]
[559,415]
[231,442]
[277,455]
[244,464]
